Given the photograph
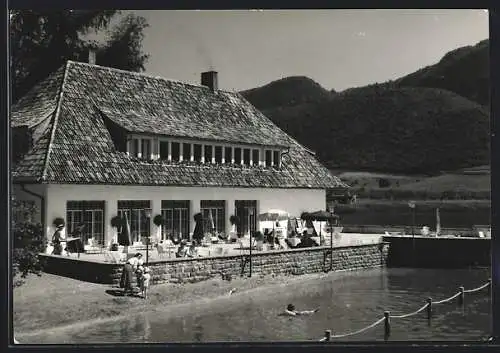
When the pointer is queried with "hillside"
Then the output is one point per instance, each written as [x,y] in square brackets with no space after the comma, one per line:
[399,130]
[464,71]
[432,120]
[451,182]
[287,92]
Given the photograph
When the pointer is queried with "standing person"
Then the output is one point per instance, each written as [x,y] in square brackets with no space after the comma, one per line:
[128,273]
[56,240]
[146,277]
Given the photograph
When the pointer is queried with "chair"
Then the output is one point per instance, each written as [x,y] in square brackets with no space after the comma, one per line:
[161,250]
[92,247]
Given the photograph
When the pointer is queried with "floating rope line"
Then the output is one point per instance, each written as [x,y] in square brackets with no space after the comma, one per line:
[447,299]
[359,331]
[410,314]
[477,289]
[426,306]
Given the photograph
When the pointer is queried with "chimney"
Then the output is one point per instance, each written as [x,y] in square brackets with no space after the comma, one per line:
[92,56]
[209,79]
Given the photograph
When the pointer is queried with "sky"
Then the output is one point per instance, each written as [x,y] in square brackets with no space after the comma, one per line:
[339,49]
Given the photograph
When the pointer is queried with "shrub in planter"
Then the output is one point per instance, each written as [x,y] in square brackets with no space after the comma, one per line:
[158,220]
[116,222]
[58,221]
[234,219]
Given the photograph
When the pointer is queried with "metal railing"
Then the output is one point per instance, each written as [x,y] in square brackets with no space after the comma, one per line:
[386,319]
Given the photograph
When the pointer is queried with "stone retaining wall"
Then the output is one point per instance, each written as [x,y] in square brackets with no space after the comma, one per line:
[287,262]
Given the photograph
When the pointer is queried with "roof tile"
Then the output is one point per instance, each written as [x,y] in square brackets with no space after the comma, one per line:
[82,150]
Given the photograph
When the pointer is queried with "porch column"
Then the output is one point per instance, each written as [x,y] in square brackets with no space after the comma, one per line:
[110,210]
[139,148]
[231,210]
[223,158]
[232,154]
[156,210]
[169,151]
[251,156]
[191,158]
[181,151]
[129,142]
[272,158]
[262,157]
[193,209]
[241,153]
[202,153]
[213,153]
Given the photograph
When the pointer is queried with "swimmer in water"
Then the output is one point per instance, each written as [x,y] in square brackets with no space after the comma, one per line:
[290,311]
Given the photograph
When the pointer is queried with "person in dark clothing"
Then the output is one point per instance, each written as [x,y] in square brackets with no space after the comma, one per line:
[56,240]
[306,241]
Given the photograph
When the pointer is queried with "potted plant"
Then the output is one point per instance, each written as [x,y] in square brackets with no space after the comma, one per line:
[58,222]
[158,221]
[234,220]
[116,222]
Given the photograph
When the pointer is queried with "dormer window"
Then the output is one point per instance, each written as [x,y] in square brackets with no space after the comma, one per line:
[145,149]
[237,155]
[178,150]
[276,159]
[175,151]
[218,154]
[197,153]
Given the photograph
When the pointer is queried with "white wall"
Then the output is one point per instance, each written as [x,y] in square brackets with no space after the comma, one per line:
[21,195]
[294,201]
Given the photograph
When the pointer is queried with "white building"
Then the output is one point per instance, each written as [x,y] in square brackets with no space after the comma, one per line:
[93,142]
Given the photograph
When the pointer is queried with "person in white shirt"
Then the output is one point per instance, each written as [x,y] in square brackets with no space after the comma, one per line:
[128,270]
[146,278]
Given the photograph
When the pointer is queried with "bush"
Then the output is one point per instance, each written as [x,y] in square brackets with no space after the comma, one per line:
[158,220]
[29,241]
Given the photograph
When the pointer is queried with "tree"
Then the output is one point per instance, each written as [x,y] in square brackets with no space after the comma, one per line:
[28,241]
[42,41]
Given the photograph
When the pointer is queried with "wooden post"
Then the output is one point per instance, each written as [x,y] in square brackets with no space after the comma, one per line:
[328,335]
[489,286]
[387,325]
[429,308]
[461,296]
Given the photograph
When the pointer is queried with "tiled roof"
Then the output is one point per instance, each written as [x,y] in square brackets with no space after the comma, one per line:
[73,145]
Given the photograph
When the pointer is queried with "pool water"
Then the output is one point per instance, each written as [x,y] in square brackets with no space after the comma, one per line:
[347,302]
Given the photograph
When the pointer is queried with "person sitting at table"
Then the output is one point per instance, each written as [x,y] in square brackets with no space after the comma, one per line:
[182,249]
[268,236]
[306,241]
[192,251]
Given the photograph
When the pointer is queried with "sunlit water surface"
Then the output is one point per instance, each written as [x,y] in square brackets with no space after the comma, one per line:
[347,303]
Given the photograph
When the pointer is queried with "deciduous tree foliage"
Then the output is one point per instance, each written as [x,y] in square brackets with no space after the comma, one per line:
[42,41]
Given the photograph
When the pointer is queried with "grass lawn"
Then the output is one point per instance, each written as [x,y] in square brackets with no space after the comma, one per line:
[454,213]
